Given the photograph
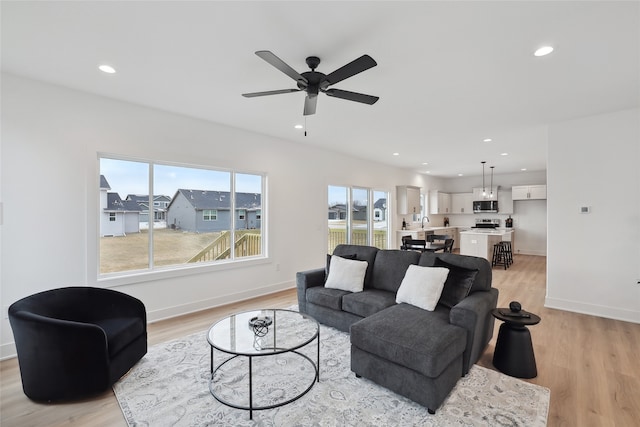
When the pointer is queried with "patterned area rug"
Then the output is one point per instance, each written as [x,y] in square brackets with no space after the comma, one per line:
[170,387]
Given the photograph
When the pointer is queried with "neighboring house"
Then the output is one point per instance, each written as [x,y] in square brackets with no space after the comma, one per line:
[380,210]
[338,211]
[204,211]
[117,217]
[359,213]
[160,204]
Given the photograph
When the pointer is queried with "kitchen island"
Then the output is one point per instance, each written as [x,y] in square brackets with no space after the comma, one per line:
[479,242]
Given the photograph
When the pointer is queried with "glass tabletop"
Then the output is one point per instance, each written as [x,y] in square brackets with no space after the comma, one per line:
[277,331]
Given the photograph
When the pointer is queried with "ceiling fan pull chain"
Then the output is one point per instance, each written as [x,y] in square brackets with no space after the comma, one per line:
[305,125]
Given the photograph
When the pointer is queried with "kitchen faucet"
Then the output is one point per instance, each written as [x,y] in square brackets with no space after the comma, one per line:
[423,221]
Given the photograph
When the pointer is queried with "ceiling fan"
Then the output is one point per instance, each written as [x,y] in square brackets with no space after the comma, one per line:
[313,82]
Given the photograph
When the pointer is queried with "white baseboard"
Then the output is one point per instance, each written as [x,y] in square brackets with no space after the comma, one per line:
[530,252]
[8,350]
[593,310]
[180,310]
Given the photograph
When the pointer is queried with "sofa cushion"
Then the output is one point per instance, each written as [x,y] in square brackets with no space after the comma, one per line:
[422,286]
[326,297]
[120,332]
[482,281]
[346,274]
[421,340]
[389,268]
[363,253]
[457,285]
[368,302]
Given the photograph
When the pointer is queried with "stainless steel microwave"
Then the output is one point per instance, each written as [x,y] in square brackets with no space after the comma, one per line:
[481,206]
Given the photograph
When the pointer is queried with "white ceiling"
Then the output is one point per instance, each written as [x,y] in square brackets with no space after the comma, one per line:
[449,74]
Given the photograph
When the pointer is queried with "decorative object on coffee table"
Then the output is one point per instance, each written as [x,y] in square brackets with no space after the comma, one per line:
[514,354]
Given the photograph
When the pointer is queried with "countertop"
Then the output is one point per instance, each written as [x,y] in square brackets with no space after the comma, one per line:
[495,232]
[431,228]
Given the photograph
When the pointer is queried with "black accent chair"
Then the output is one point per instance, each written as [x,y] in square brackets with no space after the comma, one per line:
[76,342]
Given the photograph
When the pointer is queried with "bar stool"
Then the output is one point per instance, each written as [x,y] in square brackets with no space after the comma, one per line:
[507,250]
[499,256]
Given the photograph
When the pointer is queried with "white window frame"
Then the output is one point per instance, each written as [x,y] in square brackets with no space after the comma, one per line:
[370,212]
[177,270]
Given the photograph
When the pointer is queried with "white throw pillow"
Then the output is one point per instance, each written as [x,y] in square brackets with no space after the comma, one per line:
[346,274]
[422,286]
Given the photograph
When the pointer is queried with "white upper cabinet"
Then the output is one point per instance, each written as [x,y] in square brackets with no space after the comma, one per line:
[505,202]
[462,203]
[408,200]
[439,202]
[529,192]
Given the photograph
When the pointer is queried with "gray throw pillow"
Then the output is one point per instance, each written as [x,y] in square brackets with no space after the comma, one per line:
[458,284]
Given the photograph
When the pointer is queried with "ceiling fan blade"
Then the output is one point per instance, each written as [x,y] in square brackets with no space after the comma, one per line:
[280,65]
[351,69]
[352,96]
[269,92]
[310,103]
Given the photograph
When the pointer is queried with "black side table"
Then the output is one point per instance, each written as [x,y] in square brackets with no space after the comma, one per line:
[514,350]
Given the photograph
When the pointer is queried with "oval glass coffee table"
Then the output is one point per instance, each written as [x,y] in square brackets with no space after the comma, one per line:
[263,361]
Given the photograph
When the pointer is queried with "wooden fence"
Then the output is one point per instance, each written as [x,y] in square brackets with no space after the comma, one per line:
[248,243]
[338,236]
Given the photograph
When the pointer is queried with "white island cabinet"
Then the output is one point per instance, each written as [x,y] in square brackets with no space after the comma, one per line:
[480,242]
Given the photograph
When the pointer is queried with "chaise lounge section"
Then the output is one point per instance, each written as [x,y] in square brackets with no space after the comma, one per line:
[416,352]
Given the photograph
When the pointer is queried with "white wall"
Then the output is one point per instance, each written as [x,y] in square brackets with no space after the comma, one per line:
[593,263]
[51,137]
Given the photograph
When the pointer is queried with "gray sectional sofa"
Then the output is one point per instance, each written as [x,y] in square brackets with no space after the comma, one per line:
[417,353]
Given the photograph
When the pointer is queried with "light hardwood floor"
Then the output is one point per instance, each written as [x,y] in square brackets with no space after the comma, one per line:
[589,363]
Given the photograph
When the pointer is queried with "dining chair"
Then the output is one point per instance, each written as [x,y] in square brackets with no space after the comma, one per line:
[416,245]
[448,245]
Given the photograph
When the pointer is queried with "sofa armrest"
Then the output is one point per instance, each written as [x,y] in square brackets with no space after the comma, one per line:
[474,314]
[305,280]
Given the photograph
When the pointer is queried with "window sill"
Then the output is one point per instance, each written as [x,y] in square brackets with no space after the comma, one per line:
[113,280]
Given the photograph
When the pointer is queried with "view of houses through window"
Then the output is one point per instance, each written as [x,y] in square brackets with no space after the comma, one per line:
[364,223]
[157,215]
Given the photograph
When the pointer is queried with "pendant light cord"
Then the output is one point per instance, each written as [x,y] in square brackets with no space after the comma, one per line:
[484,192]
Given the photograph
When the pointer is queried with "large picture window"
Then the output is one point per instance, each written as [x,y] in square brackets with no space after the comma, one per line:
[205,216]
[357,216]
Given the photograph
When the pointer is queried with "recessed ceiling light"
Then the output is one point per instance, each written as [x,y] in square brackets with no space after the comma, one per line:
[427,171]
[487,140]
[107,69]
[460,174]
[544,50]
[396,154]
[504,154]
[523,169]
[425,163]
[298,126]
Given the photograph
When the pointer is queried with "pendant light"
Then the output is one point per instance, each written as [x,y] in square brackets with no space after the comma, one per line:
[484,192]
[491,195]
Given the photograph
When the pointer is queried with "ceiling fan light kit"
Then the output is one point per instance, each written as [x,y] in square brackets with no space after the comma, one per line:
[313,82]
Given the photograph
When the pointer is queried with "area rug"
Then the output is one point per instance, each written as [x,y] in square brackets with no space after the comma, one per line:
[170,387]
